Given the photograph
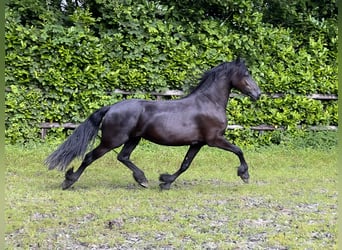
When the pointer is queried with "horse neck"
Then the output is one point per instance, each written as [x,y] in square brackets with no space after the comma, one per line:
[218,92]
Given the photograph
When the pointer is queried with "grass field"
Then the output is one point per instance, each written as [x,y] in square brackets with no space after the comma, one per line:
[290,202]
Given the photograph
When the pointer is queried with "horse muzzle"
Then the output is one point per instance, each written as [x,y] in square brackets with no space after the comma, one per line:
[255,95]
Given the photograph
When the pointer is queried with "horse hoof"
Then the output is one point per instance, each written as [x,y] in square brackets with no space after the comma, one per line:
[244,175]
[67,184]
[165,186]
[245,180]
[144,184]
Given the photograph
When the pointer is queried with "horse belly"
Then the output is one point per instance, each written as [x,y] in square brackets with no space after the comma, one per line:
[172,131]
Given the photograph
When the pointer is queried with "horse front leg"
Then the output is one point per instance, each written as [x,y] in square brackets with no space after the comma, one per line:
[168,179]
[222,143]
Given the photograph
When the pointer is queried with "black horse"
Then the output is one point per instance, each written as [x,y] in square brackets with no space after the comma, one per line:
[196,120]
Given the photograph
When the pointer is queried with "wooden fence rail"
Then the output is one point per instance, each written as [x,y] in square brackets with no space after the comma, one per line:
[45,126]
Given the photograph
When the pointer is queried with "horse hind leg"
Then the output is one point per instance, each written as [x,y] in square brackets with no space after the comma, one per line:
[168,179]
[71,177]
[124,157]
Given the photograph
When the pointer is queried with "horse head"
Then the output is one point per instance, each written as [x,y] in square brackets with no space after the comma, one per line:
[243,81]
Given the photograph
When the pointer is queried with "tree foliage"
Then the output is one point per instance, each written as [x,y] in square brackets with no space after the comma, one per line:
[64,58]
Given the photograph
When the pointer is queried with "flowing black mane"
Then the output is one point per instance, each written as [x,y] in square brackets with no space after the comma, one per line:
[211,75]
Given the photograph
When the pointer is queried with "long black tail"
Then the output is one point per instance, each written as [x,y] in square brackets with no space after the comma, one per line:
[77,143]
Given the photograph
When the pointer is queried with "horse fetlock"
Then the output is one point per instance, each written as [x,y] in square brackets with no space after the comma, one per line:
[166,178]
[69,174]
[70,179]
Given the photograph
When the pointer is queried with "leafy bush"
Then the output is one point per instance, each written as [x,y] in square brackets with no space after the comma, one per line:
[24,106]
[63,63]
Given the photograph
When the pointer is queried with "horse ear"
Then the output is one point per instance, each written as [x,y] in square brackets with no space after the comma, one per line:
[240,60]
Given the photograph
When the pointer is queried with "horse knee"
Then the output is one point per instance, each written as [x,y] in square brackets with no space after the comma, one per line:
[122,157]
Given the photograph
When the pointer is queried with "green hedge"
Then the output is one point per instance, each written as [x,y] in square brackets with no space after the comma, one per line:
[61,64]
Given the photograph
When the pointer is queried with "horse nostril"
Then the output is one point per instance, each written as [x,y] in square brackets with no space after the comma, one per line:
[258,94]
